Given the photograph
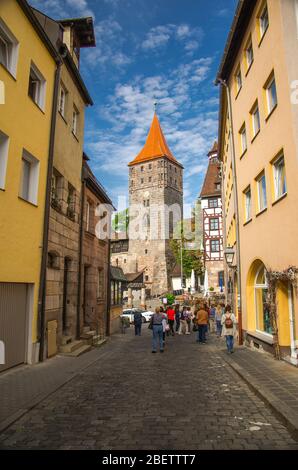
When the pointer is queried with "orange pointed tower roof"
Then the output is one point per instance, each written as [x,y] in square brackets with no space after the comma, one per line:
[155,146]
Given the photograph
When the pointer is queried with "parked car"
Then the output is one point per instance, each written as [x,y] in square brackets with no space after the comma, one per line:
[129,313]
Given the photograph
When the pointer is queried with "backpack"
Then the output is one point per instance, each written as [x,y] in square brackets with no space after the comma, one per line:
[228,322]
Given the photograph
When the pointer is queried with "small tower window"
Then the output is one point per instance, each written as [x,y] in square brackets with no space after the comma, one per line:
[146,252]
[142,168]
[150,179]
[150,166]
[142,180]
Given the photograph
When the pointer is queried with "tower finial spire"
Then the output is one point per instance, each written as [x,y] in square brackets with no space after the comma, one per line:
[155,105]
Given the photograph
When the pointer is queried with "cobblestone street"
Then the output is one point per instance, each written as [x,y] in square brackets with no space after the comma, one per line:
[187,398]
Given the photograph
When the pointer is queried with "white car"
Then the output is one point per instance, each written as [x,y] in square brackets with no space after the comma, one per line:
[129,313]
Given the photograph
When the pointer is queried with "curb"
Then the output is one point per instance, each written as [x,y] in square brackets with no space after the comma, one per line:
[32,404]
[286,414]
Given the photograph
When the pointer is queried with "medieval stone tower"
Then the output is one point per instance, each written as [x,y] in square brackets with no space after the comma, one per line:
[156,194]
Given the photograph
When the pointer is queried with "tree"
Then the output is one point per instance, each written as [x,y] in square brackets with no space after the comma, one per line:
[120,221]
[191,259]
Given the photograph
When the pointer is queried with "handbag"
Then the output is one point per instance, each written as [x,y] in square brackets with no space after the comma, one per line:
[150,326]
[167,328]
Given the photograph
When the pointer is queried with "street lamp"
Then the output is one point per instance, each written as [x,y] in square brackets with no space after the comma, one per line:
[229,255]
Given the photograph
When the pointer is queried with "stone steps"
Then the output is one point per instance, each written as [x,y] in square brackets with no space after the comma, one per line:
[79,351]
[72,346]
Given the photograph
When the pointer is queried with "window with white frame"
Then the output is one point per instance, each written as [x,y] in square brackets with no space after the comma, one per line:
[212,203]
[280,184]
[247,204]
[264,21]
[75,121]
[214,224]
[37,86]
[255,116]
[9,47]
[243,139]
[271,94]
[262,192]
[238,79]
[249,54]
[4,143]
[62,100]
[215,246]
[262,307]
[29,178]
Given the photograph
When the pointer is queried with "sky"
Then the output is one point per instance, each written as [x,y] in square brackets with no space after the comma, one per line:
[150,50]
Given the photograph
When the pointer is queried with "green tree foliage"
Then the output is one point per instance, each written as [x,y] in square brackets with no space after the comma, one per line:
[192,256]
[120,221]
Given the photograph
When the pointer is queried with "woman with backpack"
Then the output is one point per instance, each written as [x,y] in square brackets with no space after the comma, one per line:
[228,322]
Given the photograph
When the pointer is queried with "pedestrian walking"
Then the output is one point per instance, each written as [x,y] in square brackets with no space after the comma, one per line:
[202,321]
[212,319]
[157,330]
[171,319]
[177,317]
[218,315]
[228,322]
[182,328]
[188,320]
[138,319]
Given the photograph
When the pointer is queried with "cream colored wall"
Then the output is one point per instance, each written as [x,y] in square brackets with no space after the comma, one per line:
[271,236]
[68,148]
[21,223]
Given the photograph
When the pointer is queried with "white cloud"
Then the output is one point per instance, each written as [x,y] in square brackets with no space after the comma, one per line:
[59,9]
[109,44]
[159,36]
[129,112]
[223,12]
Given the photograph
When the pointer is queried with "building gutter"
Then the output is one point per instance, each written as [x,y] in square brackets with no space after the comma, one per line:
[235,184]
[43,271]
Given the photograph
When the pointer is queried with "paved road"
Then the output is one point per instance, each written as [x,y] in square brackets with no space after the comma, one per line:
[186,398]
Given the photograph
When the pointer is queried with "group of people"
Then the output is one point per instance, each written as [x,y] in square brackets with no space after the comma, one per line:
[201,318]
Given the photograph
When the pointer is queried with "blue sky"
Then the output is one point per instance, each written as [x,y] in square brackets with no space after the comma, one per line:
[147,50]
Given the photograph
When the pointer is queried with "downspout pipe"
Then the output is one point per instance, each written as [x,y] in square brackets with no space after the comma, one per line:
[80,261]
[108,314]
[228,93]
[44,257]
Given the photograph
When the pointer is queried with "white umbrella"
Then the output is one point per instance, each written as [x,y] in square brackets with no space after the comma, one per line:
[206,284]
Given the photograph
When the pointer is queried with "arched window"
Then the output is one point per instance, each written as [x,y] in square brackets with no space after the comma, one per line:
[262,310]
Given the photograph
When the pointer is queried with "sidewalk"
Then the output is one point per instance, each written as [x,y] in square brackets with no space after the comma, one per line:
[22,388]
[276,382]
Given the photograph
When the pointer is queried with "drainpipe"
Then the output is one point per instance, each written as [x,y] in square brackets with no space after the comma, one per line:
[44,257]
[108,312]
[224,83]
[223,203]
[79,294]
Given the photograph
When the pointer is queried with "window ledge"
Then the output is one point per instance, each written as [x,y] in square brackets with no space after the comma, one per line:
[279,199]
[89,234]
[99,301]
[29,202]
[255,136]
[62,117]
[77,139]
[267,338]
[261,212]
[243,153]
[271,112]
[247,71]
[238,92]
[262,38]
[247,222]
[9,72]
[36,104]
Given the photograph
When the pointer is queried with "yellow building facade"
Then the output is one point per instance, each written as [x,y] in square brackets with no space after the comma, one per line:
[258,146]
[28,66]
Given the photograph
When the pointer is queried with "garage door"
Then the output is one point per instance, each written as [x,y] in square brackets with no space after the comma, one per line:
[13,308]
